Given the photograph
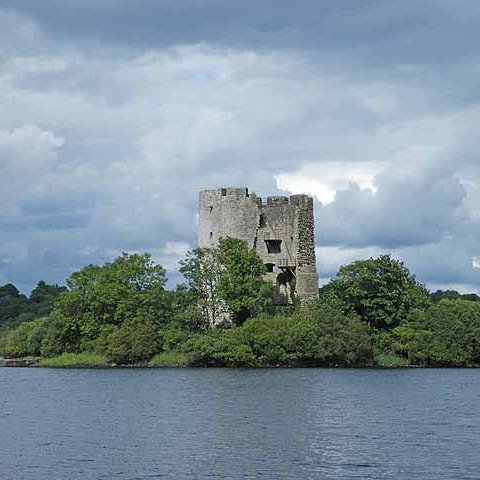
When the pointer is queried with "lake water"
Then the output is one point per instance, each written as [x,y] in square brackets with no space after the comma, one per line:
[239,424]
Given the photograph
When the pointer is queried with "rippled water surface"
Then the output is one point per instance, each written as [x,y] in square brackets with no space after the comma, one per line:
[239,424]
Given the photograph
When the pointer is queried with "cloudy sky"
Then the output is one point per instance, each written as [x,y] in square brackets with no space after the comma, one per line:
[114,113]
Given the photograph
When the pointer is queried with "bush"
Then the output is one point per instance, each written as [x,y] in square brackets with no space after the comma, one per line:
[341,339]
[24,340]
[446,334]
[322,337]
[134,342]
[390,360]
[62,335]
[99,343]
[173,338]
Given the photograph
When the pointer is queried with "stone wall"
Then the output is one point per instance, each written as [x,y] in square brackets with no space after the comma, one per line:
[283,222]
[227,212]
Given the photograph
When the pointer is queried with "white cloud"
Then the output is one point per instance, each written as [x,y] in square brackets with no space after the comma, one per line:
[324,179]
[104,149]
[476,262]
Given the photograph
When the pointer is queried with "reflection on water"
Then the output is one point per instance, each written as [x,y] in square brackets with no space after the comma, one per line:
[237,424]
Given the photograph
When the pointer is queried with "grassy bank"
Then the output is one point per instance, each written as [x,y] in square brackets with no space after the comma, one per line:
[390,360]
[85,359]
[169,359]
[96,360]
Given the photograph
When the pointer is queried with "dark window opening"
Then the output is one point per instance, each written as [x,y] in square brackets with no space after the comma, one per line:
[263,220]
[211,208]
[270,267]
[273,246]
[281,291]
[211,234]
[224,192]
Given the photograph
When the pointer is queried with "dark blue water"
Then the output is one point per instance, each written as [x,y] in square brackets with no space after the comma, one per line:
[239,424]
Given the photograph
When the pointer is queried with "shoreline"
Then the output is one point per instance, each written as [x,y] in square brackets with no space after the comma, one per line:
[36,363]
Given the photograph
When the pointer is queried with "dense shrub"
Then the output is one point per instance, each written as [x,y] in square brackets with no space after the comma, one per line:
[25,340]
[324,337]
[62,335]
[172,338]
[135,341]
[99,343]
[446,334]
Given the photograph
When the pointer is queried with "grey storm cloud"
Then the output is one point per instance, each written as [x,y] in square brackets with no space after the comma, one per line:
[115,113]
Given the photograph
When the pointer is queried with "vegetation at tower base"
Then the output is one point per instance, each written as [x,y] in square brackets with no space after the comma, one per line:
[228,281]
[373,313]
[321,336]
[381,291]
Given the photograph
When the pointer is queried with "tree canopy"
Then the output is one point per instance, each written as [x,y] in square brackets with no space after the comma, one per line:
[380,290]
[16,308]
[373,313]
[445,334]
[228,280]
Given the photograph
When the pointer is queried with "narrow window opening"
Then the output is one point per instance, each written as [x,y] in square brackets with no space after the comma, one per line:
[273,246]
[270,267]
[263,221]
[224,192]
[211,235]
[211,208]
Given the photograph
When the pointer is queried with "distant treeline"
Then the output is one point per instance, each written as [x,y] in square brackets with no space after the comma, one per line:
[16,308]
[453,295]
[373,313]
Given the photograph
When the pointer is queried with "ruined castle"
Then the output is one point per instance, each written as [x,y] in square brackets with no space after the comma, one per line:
[280,230]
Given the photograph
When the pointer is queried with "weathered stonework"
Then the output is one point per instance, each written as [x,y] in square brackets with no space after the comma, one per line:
[280,230]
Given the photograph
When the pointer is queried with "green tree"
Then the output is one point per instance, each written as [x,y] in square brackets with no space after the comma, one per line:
[112,292]
[16,308]
[135,341]
[185,311]
[99,300]
[12,304]
[43,297]
[227,279]
[107,295]
[445,334]
[380,290]
[453,295]
[202,270]
[242,285]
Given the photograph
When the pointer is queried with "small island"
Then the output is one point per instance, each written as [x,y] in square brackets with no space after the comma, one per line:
[250,299]
[373,314]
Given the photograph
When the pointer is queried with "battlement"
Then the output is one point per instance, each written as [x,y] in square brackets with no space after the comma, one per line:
[294,200]
[300,200]
[226,192]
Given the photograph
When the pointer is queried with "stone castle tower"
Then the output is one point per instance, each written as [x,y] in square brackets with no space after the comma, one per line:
[280,230]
